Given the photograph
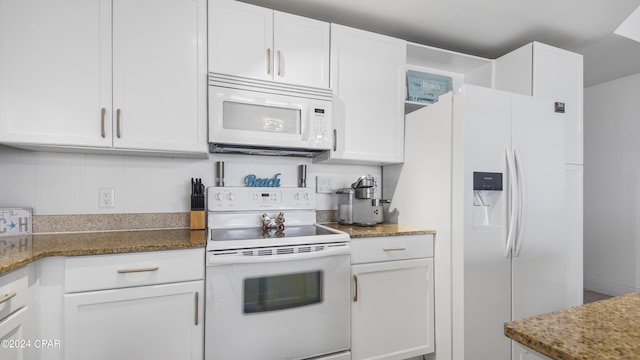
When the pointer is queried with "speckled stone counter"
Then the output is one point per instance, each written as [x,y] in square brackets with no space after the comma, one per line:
[602,330]
[19,251]
[379,230]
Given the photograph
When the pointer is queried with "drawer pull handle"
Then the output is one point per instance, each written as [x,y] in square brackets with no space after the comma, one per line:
[126,271]
[8,297]
[355,295]
[395,249]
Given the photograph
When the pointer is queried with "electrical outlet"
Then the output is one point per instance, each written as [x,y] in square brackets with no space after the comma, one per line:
[106,198]
[323,185]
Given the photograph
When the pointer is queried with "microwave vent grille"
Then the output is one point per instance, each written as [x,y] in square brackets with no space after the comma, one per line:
[265,86]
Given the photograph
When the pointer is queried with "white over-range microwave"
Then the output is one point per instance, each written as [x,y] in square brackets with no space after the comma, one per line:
[262,117]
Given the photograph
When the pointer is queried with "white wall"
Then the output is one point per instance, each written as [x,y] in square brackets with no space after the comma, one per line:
[68,183]
[612,186]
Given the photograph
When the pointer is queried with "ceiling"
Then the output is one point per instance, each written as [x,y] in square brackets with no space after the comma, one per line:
[491,28]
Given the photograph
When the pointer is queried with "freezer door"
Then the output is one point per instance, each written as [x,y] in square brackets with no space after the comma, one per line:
[482,133]
[541,250]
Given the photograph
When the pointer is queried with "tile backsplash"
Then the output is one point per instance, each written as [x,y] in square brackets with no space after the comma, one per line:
[68,183]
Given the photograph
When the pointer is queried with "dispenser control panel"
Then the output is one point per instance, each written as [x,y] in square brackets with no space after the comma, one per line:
[487,181]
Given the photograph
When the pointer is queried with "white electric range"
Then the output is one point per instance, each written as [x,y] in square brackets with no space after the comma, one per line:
[278,292]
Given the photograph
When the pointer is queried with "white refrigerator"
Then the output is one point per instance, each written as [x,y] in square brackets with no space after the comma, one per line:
[485,168]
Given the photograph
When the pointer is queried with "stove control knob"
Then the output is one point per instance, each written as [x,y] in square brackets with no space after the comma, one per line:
[231,197]
[306,196]
[296,196]
[219,196]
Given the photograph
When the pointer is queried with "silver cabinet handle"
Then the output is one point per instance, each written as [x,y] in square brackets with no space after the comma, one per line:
[335,140]
[269,61]
[279,64]
[126,271]
[394,249]
[118,123]
[355,295]
[196,300]
[7,297]
[103,112]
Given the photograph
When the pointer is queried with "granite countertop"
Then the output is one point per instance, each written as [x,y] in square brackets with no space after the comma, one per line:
[602,330]
[355,231]
[18,251]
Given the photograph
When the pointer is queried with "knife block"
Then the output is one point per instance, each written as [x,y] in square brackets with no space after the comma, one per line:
[197,220]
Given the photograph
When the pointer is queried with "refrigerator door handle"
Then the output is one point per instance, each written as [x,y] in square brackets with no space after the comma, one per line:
[522,198]
[513,201]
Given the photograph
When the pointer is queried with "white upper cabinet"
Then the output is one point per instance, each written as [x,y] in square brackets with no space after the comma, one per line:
[368,82]
[55,72]
[240,39]
[301,50]
[127,75]
[260,43]
[159,75]
[545,71]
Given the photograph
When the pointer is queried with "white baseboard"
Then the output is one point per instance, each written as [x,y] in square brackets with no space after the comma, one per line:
[608,288]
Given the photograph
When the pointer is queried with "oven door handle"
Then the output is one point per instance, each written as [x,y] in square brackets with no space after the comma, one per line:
[247,259]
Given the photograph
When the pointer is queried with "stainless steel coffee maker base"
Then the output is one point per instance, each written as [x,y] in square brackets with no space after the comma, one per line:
[357,206]
[366,214]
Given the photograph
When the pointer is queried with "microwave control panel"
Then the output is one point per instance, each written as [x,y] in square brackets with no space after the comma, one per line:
[320,122]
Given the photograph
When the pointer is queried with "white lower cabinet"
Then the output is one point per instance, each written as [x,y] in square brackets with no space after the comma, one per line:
[16,328]
[12,335]
[392,313]
[148,322]
[524,353]
[162,318]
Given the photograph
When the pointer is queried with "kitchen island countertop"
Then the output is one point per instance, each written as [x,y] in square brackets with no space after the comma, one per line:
[18,251]
[603,330]
[379,230]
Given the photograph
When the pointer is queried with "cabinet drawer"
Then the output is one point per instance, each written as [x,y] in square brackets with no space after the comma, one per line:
[97,272]
[389,248]
[13,291]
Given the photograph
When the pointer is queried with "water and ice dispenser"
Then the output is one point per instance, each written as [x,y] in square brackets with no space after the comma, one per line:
[487,195]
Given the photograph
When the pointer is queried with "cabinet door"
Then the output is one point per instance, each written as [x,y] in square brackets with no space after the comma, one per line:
[14,346]
[392,311]
[301,50]
[367,77]
[524,353]
[159,75]
[148,322]
[558,75]
[240,39]
[544,71]
[55,72]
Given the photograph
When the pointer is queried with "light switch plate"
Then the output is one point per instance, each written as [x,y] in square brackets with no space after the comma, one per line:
[323,185]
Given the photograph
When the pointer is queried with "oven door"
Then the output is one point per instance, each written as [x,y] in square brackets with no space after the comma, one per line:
[292,306]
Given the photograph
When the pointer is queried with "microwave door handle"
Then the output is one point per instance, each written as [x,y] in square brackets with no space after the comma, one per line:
[242,259]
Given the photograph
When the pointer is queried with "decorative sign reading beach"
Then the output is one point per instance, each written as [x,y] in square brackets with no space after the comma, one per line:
[253,181]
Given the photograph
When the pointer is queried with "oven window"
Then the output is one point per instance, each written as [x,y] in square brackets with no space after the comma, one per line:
[282,292]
